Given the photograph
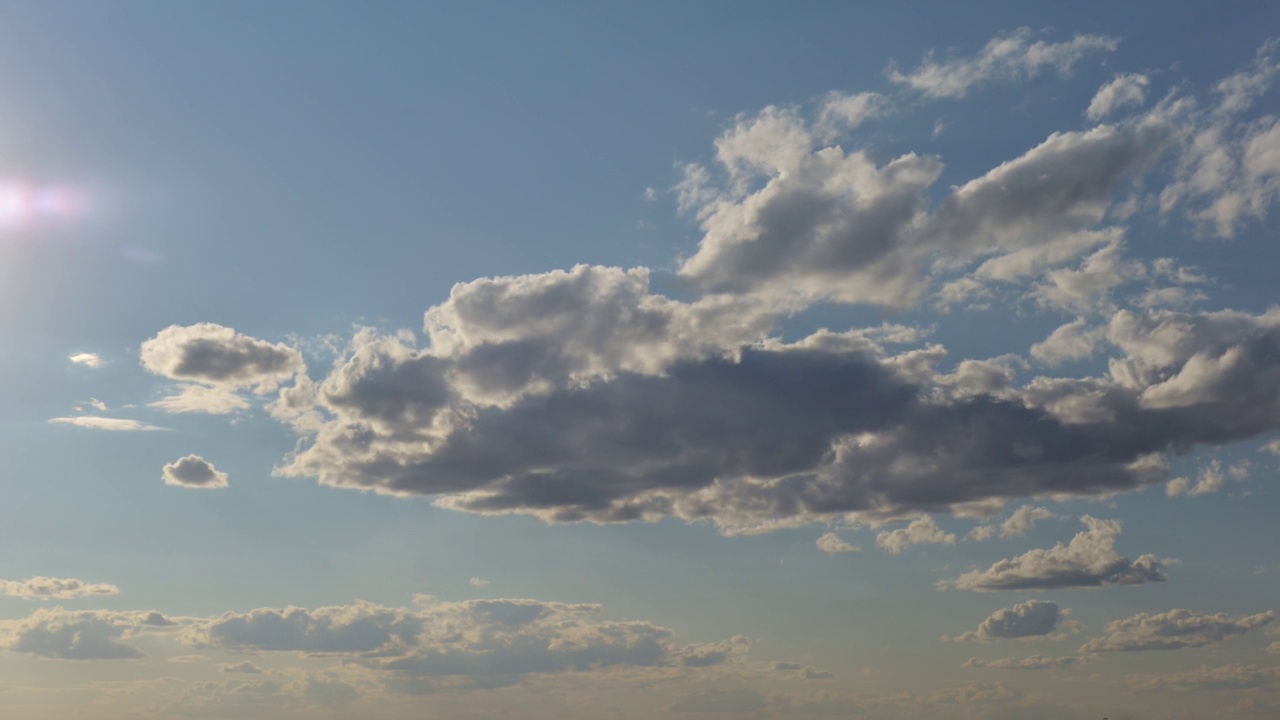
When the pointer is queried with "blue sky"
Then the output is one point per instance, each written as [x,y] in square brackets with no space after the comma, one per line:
[570,360]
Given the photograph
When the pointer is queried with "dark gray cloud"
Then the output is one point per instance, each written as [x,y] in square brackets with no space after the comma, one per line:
[1173,630]
[1034,619]
[195,472]
[1089,560]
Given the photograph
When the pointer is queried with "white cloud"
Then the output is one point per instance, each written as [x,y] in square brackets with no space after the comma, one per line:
[1089,560]
[922,530]
[1031,662]
[105,423]
[1017,524]
[1173,630]
[1211,479]
[194,471]
[201,399]
[88,359]
[1010,57]
[478,582]
[1123,90]
[832,544]
[1034,619]
[47,588]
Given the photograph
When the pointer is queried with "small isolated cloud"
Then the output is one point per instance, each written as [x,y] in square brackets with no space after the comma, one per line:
[87,359]
[47,588]
[650,194]
[832,543]
[922,530]
[1124,90]
[478,582]
[1031,662]
[1034,619]
[91,422]
[1173,630]
[244,667]
[194,471]
[1017,524]
[1011,57]
[1089,560]
[218,362]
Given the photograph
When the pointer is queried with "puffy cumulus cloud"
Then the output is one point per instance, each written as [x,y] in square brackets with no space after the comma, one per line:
[1031,662]
[218,362]
[1173,630]
[583,395]
[832,544]
[1034,619]
[1235,676]
[477,638]
[1009,57]
[1089,560]
[47,588]
[795,220]
[1124,90]
[79,635]
[1016,525]
[92,422]
[195,472]
[87,359]
[921,531]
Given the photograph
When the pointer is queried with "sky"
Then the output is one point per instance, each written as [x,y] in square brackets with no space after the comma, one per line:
[667,360]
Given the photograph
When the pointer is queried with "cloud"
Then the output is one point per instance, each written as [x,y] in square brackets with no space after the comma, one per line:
[831,544]
[1235,676]
[194,471]
[79,635]
[92,360]
[244,667]
[47,588]
[477,638]
[922,530]
[1034,619]
[1010,57]
[1016,525]
[804,672]
[1211,479]
[105,423]
[220,362]
[1173,630]
[478,582]
[1123,90]
[201,399]
[1031,662]
[1089,560]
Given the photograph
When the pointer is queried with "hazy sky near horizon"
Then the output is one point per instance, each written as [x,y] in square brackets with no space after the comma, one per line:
[573,360]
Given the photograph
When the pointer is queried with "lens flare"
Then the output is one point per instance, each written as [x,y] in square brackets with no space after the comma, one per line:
[25,205]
